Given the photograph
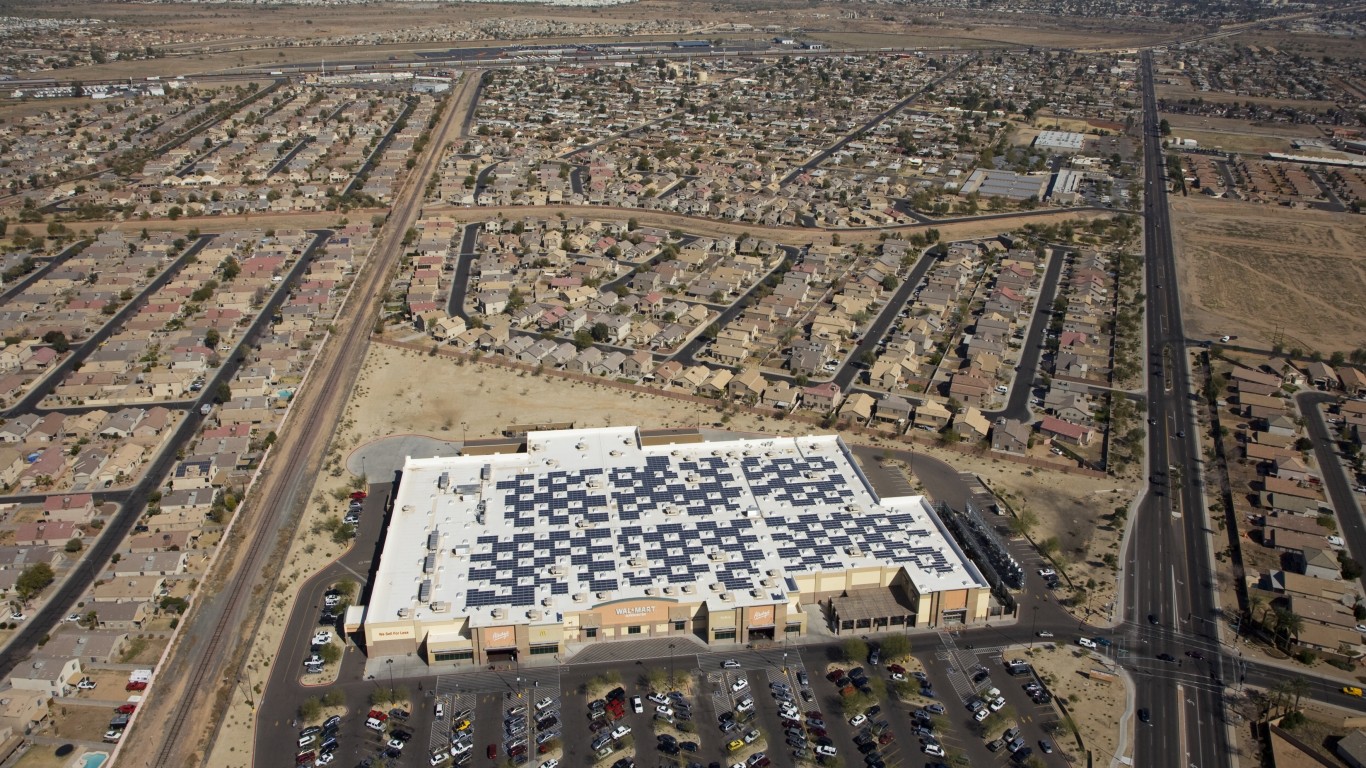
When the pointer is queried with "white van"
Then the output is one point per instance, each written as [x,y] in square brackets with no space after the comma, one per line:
[440,710]
[307,738]
[1086,642]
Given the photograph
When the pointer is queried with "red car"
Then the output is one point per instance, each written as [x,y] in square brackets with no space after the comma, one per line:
[358,495]
[896,668]
[126,709]
[493,751]
[378,715]
[136,685]
[834,675]
[885,738]
[304,758]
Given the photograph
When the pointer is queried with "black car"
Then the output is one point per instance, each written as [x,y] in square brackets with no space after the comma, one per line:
[1152,619]
[1144,716]
[1167,657]
[688,746]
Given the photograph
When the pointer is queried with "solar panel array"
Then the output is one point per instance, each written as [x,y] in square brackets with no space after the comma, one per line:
[596,529]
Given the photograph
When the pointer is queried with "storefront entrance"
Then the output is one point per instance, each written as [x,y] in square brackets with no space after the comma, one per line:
[502,654]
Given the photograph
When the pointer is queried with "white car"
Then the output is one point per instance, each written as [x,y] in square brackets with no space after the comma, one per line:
[397,744]
[664,710]
[322,638]
[332,601]
[858,720]
[551,763]
[544,703]
[825,750]
[636,705]
[620,731]
[86,684]
[997,703]
[1047,573]
[439,711]
[933,750]
[1335,541]
[326,758]
[982,714]
[739,685]
[17,616]
[730,664]
[745,704]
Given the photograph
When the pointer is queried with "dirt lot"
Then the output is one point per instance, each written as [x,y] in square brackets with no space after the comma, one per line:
[1102,711]
[1268,274]
[81,722]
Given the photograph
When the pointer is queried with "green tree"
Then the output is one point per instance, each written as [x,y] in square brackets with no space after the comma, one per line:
[854,650]
[895,647]
[310,709]
[74,545]
[33,580]
[176,605]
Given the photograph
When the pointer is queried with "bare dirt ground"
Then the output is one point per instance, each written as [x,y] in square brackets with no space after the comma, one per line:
[1102,711]
[1266,273]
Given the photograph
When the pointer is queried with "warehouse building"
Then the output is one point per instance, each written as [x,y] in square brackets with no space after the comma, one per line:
[590,535]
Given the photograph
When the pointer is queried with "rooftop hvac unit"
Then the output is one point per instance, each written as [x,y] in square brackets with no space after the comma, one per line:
[727,597]
[443,480]
[485,472]
[403,613]
[580,597]
[499,613]
[652,591]
[756,593]
[429,564]
[854,551]
[424,592]
[433,540]
[688,589]
[534,614]
[438,607]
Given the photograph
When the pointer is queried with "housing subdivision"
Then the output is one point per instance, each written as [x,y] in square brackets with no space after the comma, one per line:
[586,535]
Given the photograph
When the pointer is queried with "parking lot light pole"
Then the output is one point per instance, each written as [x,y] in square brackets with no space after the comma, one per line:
[671,666]
[1033,629]
[390,664]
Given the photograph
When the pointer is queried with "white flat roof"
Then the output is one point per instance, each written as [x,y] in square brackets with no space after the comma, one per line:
[591,516]
[1059,139]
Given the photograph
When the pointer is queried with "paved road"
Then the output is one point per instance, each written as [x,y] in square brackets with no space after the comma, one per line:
[852,366]
[1017,404]
[1335,480]
[132,501]
[30,401]
[1169,585]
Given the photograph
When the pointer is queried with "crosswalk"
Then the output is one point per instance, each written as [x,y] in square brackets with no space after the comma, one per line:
[959,662]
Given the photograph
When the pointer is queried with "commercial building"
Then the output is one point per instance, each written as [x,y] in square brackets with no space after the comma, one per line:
[1059,141]
[600,534]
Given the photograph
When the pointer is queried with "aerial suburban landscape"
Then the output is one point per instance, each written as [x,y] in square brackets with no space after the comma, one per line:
[616,383]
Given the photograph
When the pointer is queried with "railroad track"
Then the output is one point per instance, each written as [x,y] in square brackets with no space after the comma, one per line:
[321,402]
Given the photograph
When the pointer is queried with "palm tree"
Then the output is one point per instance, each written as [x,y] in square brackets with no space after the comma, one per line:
[1286,623]
[1298,687]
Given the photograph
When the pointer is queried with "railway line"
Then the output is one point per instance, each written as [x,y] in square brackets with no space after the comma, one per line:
[285,484]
